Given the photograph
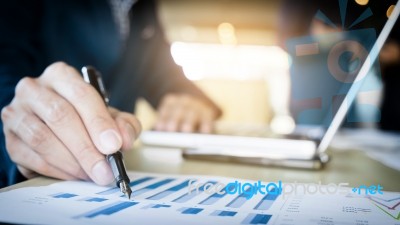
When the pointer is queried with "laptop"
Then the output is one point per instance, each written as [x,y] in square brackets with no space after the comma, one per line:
[304,148]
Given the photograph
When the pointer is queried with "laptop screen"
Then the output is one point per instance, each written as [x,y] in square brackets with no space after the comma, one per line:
[337,62]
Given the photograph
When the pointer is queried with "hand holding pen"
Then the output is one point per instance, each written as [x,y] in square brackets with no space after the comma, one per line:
[58,126]
[93,77]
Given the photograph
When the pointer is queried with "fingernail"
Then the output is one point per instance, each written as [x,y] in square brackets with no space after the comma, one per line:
[206,129]
[171,126]
[159,126]
[110,140]
[102,173]
[187,128]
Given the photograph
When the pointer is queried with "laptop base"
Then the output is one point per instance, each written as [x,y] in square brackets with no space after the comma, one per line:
[315,163]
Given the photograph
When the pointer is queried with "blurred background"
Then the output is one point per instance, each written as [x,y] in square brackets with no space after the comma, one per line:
[232,50]
[229,48]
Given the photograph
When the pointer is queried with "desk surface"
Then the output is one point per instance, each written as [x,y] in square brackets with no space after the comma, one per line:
[351,167]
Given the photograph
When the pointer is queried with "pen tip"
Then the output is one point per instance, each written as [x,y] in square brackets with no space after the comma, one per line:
[126,189]
[128,193]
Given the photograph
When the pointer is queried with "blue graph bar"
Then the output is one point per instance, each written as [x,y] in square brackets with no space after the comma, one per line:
[160,206]
[190,210]
[257,219]
[108,209]
[223,213]
[169,191]
[152,187]
[186,197]
[239,200]
[64,195]
[131,184]
[213,198]
[94,199]
[156,206]
[266,202]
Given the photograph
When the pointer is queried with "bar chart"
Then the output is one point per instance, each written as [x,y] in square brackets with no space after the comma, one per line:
[174,193]
[166,199]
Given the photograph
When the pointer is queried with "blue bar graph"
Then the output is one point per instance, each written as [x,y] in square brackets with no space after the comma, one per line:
[187,196]
[169,191]
[131,184]
[223,213]
[190,210]
[108,209]
[64,195]
[152,186]
[94,199]
[239,200]
[257,219]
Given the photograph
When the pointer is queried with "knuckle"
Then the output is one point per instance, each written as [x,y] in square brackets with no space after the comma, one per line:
[6,113]
[59,69]
[170,98]
[57,111]
[25,84]
[59,65]
[56,68]
[186,99]
[100,121]
[36,133]
[80,90]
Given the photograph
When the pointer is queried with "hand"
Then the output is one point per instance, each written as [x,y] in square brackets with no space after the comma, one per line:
[57,125]
[185,113]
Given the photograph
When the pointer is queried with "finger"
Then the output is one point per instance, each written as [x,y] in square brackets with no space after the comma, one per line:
[165,108]
[171,115]
[129,117]
[190,122]
[129,127]
[206,125]
[63,120]
[69,84]
[29,174]
[22,155]
[37,136]
[174,119]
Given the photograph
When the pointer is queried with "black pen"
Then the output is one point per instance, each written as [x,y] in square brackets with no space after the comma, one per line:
[93,77]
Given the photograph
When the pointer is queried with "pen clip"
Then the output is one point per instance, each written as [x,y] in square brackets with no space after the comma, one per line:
[93,77]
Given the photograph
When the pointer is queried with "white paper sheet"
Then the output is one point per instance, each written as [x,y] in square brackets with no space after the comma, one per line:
[164,199]
[381,146]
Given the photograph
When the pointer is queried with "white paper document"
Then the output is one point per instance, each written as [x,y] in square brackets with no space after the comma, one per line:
[378,145]
[166,199]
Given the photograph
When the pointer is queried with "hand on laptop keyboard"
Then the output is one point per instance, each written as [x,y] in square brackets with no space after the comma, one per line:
[185,113]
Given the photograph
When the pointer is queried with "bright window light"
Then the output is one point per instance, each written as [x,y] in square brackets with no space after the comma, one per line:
[217,61]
